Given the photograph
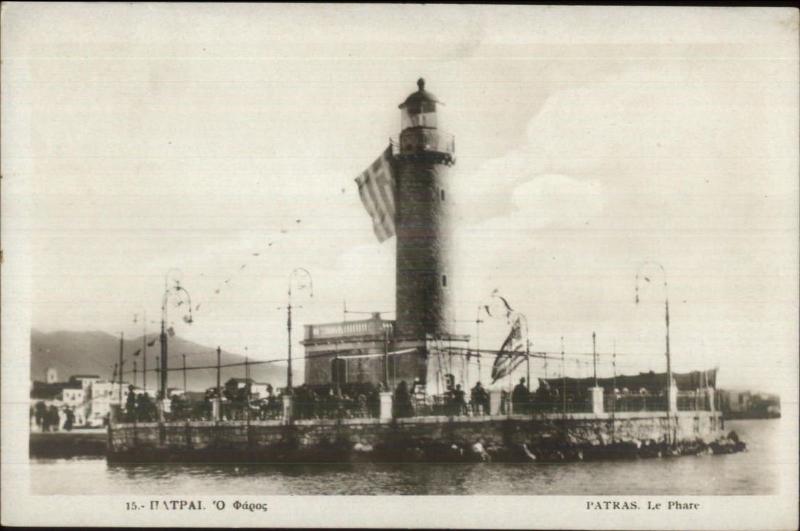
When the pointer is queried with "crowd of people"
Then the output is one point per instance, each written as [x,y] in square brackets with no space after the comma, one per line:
[356,400]
[408,402]
[51,418]
[140,407]
[360,400]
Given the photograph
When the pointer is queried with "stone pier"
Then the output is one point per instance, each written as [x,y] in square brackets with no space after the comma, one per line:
[343,439]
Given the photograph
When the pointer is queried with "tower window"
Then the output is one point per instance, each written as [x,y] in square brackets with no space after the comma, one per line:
[444,280]
[441,194]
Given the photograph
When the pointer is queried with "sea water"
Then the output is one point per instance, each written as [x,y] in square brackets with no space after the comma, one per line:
[753,472]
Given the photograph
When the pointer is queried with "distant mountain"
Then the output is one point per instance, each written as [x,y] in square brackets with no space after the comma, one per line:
[96,353]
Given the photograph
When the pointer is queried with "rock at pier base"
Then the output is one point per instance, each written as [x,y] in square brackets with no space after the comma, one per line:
[515,438]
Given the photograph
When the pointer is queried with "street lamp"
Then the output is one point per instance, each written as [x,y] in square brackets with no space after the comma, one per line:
[666,321]
[295,274]
[178,291]
[478,322]
[145,344]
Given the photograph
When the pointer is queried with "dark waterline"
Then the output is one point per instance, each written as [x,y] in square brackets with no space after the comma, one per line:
[752,472]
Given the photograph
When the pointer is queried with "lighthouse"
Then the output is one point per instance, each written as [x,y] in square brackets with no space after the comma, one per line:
[423,221]
[406,192]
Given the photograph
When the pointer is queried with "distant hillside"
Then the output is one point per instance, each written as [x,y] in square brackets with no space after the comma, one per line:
[97,352]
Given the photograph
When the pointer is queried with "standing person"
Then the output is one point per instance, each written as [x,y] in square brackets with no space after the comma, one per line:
[374,400]
[402,400]
[337,404]
[485,402]
[460,405]
[449,395]
[519,397]
[362,405]
[68,423]
[53,418]
[40,412]
[479,399]
[543,397]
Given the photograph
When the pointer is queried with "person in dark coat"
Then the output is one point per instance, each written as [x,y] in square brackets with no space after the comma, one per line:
[479,399]
[543,397]
[374,400]
[53,419]
[460,405]
[70,421]
[402,400]
[519,397]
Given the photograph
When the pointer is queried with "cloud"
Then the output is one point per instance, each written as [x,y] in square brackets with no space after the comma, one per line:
[553,201]
[656,163]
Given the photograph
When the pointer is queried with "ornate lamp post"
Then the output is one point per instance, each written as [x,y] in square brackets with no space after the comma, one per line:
[478,322]
[666,321]
[176,291]
[296,274]
[144,345]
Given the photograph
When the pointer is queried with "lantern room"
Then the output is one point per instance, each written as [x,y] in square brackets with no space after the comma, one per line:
[419,109]
[420,123]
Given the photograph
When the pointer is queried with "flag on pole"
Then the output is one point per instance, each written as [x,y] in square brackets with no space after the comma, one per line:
[506,307]
[376,188]
[512,353]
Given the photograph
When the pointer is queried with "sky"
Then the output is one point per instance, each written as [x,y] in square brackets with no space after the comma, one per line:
[142,138]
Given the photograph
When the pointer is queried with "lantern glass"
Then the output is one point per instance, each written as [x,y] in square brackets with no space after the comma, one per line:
[419,114]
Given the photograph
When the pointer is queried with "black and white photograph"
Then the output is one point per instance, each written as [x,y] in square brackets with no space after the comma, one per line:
[399,265]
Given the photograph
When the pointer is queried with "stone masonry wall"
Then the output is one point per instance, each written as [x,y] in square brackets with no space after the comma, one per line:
[577,430]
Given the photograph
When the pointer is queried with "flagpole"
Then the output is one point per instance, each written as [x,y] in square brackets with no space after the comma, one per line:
[478,322]
[666,320]
[120,366]
[527,354]
[563,381]
[614,394]
[508,396]
[289,322]
[385,359]
[594,357]
[144,351]
[163,340]
[528,363]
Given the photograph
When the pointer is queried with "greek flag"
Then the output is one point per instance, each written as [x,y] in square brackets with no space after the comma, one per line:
[511,354]
[376,188]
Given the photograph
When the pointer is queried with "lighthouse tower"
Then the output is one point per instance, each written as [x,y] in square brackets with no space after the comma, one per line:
[423,222]
[420,347]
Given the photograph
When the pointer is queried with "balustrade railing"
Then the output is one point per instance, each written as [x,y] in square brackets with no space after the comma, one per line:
[422,141]
[634,402]
[693,401]
[370,327]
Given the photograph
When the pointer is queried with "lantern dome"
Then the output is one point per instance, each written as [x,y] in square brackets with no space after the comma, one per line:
[420,96]
[419,109]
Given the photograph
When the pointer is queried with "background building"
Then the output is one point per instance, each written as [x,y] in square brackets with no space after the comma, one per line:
[355,352]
